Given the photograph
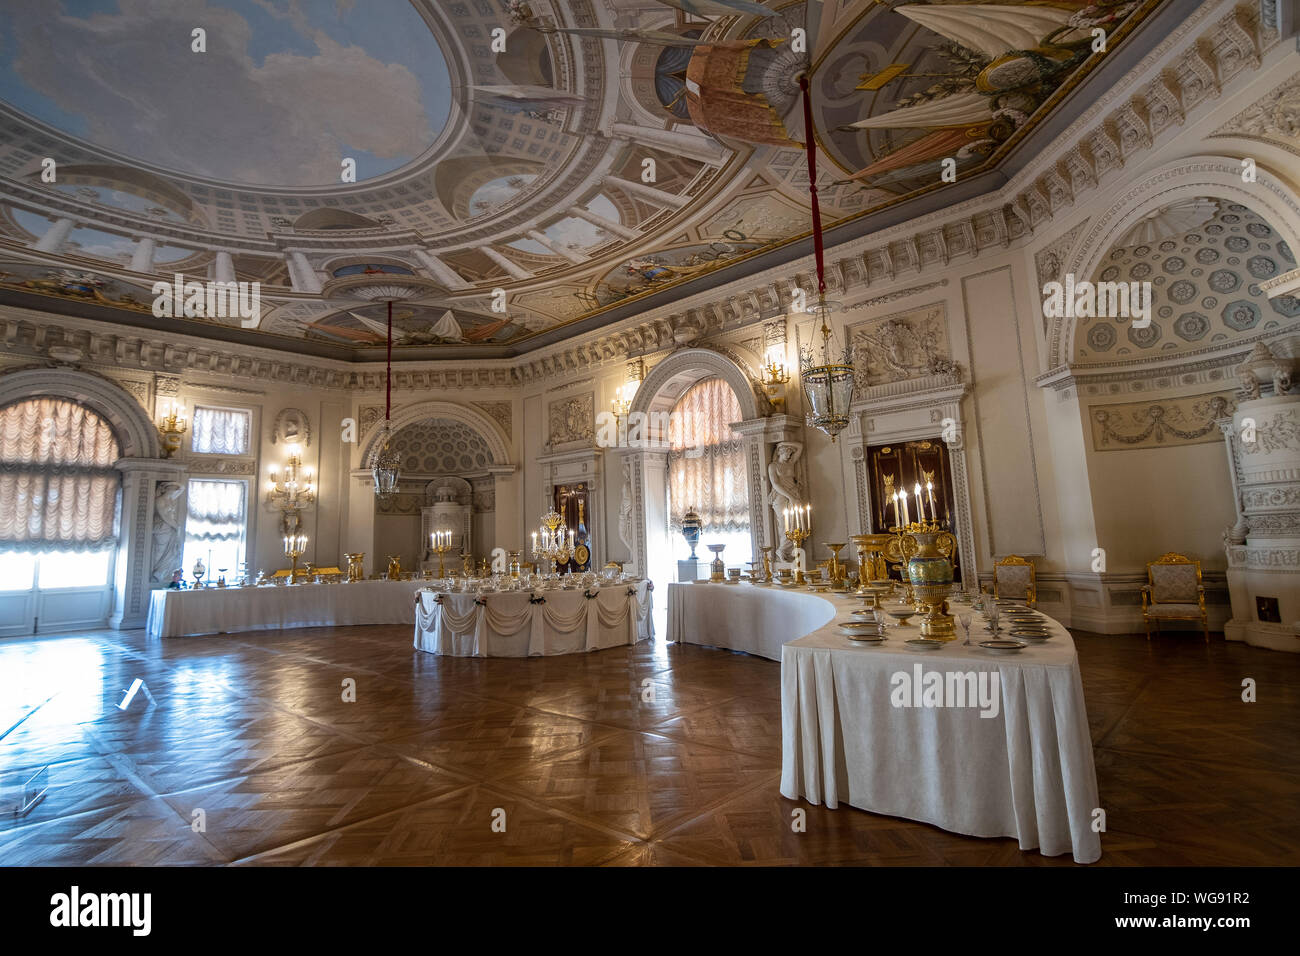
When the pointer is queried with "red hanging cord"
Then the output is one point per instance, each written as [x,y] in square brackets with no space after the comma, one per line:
[810,144]
[388,369]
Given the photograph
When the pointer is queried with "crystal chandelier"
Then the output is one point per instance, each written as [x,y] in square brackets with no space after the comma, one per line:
[385,463]
[828,384]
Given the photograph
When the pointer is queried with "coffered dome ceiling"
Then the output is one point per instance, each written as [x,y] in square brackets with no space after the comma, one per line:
[523,170]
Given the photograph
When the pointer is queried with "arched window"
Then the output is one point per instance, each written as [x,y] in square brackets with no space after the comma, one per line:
[58,487]
[706,471]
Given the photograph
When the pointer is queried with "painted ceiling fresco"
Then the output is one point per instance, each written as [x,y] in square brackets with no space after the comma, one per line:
[480,169]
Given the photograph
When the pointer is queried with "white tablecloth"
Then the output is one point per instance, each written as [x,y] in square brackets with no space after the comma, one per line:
[532,623]
[214,610]
[743,617]
[1026,773]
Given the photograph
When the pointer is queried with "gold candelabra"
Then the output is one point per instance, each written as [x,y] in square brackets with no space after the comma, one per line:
[774,379]
[293,488]
[797,536]
[440,544]
[170,429]
[295,545]
[553,541]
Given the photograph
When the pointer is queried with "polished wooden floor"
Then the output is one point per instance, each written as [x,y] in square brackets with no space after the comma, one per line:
[656,754]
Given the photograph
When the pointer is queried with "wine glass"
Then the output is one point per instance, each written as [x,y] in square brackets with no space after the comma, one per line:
[995,613]
[964,619]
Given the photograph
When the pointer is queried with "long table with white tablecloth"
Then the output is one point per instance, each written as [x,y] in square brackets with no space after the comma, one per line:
[533,623]
[178,613]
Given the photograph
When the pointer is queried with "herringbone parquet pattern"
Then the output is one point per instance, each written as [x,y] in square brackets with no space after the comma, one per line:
[650,755]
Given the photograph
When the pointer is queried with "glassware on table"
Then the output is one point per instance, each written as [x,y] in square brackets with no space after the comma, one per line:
[963,621]
[994,613]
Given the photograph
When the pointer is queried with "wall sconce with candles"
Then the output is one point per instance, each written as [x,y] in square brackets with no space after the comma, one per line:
[621,403]
[291,489]
[775,377]
[171,428]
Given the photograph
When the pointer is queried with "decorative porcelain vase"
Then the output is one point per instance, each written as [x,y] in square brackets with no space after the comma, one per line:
[691,525]
[930,571]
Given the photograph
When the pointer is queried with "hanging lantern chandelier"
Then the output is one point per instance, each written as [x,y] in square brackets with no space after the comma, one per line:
[385,464]
[828,382]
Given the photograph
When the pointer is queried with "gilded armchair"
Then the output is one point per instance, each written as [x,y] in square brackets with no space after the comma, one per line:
[1174,592]
[1014,579]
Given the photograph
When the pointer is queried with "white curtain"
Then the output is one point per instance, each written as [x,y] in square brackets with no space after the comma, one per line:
[216,511]
[220,431]
[706,462]
[58,487]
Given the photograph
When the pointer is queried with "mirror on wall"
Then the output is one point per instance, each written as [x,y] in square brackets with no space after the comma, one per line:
[574,504]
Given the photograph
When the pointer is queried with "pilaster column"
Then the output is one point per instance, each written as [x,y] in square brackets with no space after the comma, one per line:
[135,549]
[509,522]
[55,236]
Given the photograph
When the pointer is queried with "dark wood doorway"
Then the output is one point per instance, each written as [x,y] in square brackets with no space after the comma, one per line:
[574,505]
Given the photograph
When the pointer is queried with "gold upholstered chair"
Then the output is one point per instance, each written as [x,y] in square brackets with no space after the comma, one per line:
[1174,592]
[1013,579]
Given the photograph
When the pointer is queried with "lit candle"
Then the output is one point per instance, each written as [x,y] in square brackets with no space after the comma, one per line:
[907,515]
[929,487]
[895,497]
[807,517]
[920,505]
[785,517]
[534,542]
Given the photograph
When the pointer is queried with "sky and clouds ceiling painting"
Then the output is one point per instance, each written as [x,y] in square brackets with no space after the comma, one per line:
[527,187]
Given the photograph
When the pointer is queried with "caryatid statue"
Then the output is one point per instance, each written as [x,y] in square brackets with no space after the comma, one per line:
[787,490]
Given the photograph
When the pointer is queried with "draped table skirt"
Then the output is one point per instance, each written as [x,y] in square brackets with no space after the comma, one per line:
[217,610]
[531,624]
[1025,771]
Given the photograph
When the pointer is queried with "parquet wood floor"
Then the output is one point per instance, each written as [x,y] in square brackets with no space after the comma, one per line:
[650,755]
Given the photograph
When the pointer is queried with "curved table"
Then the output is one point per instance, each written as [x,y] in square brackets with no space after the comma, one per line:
[1025,771]
[743,617]
[532,623]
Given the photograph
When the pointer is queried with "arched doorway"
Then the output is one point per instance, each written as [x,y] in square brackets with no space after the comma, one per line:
[59,504]
[661,402]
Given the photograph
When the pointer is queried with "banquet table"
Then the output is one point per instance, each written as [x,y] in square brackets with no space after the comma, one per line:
[533,623]
[1025,771]
[743,617]
[180,613]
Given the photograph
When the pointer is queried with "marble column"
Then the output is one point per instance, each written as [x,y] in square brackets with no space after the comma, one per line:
[301,273]
[513,269]
[224,267]
[649,193]
[690,145]
[55,236]
[609,225]
[441,271]
[555,247]
[142,256]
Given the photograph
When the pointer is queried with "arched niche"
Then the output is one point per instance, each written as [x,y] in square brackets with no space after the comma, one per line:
[674,375]
[481,423]
[1211,177]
